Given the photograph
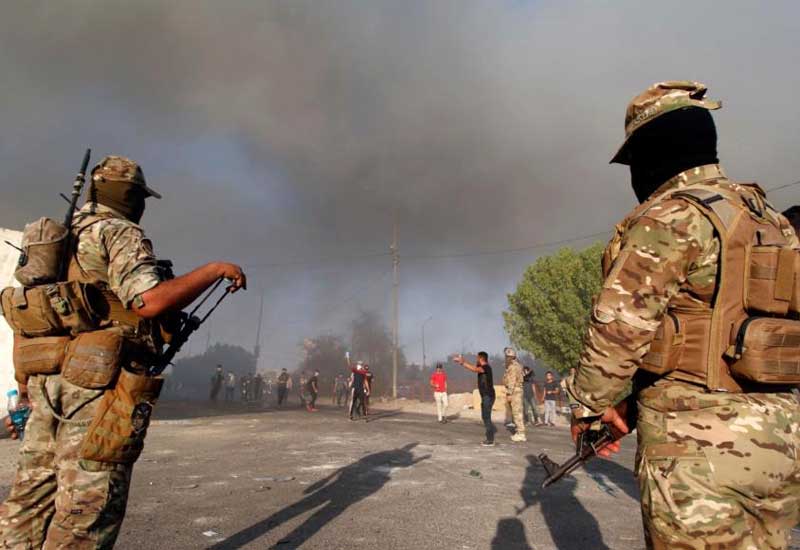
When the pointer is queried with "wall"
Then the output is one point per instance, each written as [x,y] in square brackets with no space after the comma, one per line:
[8,261]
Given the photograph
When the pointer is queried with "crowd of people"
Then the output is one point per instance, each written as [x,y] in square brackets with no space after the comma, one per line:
[351,390]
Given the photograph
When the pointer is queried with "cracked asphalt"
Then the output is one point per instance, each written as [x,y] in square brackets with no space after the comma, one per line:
[236,478]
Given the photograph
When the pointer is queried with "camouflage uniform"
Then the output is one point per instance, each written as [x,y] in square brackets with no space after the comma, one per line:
[59,500]
[513,380]
[716,470]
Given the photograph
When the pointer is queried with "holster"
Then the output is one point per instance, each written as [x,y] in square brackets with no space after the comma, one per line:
[117,432]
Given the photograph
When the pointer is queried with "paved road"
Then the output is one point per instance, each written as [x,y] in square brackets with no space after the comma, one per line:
[289,479]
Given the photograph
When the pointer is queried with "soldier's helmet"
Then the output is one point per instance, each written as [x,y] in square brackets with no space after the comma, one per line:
[124,170]
[659,99]
[510,353]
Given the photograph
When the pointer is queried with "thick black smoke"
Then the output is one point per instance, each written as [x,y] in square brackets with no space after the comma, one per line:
[299,130]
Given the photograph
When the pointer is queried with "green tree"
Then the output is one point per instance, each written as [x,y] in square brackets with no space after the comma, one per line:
[549,310]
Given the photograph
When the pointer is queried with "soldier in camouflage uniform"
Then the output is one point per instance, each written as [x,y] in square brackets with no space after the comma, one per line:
[716,470]
[513,380]
[59,500]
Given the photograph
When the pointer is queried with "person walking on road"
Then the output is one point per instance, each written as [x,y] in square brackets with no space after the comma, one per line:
[283,386]
[217,380]
[230,386]
[312,386]
[552,389]
[486,391]
[439,384]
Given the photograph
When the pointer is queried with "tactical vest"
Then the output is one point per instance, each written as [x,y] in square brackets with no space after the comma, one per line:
[748,337]
[79,327]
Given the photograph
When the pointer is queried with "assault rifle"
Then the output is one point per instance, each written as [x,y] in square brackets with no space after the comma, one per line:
[77,188]
[188,323]
[589,444]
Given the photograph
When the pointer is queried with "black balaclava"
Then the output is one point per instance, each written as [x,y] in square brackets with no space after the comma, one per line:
[670,144]
[124,197]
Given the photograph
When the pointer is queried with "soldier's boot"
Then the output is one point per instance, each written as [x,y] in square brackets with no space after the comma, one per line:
[519,437]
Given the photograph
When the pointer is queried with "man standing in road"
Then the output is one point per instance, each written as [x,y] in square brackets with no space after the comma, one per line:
[230,386]
[513,380]
[283,386]
[529,397]
[485,389]
[217,380]
[552,390]
[313,391]
[438,383]
[677,317]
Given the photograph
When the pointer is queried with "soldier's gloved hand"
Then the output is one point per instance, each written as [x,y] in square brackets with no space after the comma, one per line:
[614,417]
[12,431]
[233,273]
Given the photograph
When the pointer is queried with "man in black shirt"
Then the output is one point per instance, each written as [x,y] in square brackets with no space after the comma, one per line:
[312,386]
[485,389]
[359,384]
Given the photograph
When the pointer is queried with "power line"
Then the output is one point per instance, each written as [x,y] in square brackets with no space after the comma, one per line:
[325,261]
[466,254]
[783,186]
[507,250]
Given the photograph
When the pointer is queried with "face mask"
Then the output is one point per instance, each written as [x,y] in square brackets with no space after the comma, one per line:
[669,145]
[126,198]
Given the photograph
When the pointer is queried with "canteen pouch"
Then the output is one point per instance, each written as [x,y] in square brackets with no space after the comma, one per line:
[116,434]
[93,359]
[767,351]
[666,347]
[42,355]
[42,252]
[772,286]
[51,310]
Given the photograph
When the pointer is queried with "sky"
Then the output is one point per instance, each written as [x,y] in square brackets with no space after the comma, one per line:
[289,136]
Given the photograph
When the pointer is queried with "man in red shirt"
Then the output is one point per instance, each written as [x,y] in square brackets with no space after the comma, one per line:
[439,385]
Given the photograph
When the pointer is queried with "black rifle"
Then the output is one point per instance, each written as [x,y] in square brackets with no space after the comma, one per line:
[188,324]
[589,443]
[77,188]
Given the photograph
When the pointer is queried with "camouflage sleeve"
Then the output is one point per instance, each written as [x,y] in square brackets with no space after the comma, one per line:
[132,268]
[513,378]
[657,253]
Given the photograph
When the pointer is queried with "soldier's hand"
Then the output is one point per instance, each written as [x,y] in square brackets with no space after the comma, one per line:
[233,273]
[615,418]
[12,431]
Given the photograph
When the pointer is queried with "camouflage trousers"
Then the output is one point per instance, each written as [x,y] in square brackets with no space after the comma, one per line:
[515,407]
[59,501]
[718,471]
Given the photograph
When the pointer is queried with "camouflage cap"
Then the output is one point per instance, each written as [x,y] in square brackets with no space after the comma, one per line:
[509,352]
[114,168]
[658,99]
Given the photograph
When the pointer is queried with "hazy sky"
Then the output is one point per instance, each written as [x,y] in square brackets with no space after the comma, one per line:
[287,136]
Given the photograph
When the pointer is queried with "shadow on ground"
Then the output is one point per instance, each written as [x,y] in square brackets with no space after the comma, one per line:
[570,524]
[330,497]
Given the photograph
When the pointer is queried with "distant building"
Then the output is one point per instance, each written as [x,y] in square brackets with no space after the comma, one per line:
[8,262]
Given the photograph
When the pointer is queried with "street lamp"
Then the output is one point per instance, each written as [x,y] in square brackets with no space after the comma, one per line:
[423,340]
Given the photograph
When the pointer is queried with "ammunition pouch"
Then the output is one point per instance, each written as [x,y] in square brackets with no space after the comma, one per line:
[767,351]
[51,310]
[116,434]
[42,254]
[772,286]
[38,355]
[93,359]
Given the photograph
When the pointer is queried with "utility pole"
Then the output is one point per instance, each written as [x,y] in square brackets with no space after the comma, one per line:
[396,317]
[423,340]
[257,347]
